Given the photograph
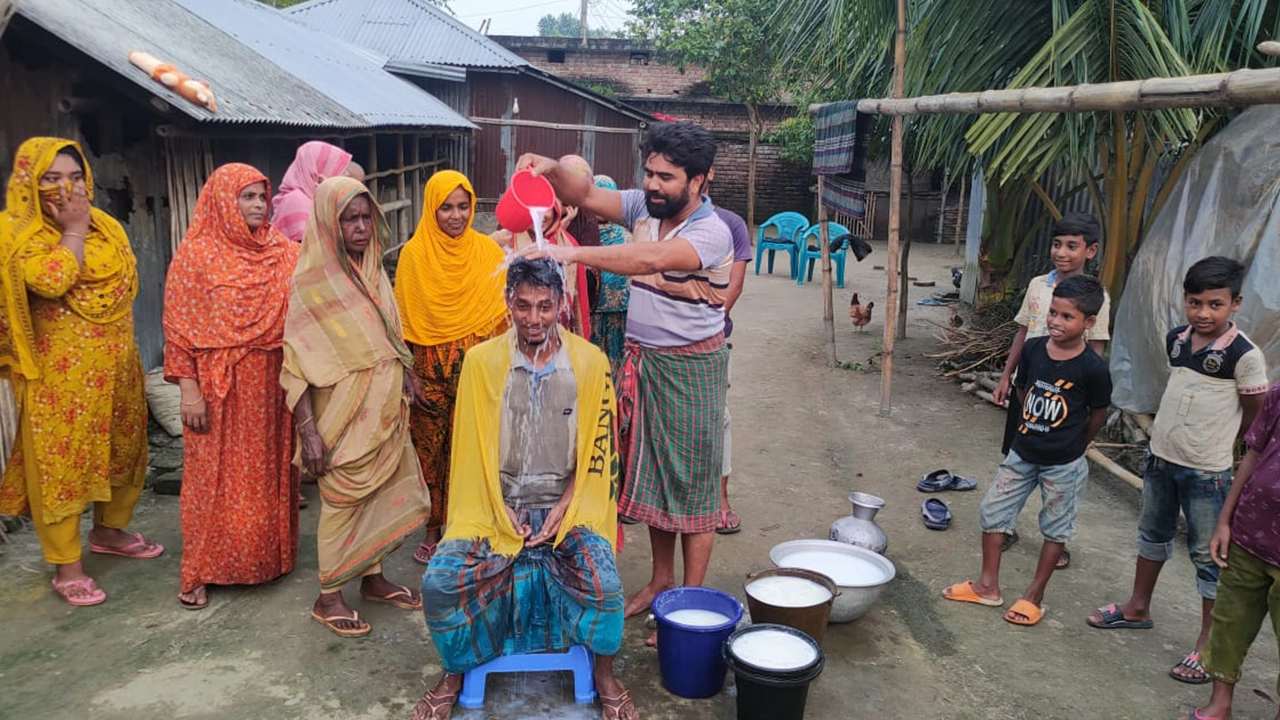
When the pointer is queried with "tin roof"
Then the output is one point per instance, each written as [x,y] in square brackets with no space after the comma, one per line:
[407,31]
[262,66]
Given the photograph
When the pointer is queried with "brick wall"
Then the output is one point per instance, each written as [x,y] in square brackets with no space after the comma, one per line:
[627,68]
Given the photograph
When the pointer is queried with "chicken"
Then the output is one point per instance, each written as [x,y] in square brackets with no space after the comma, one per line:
[859,313]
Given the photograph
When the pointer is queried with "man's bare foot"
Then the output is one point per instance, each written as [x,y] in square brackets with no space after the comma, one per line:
[437,703]
[331,610]
[197,599]
[379,589]
[640,602]
[652,640]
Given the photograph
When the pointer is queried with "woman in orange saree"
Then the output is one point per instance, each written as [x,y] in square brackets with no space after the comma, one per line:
[224,310]
[69,278]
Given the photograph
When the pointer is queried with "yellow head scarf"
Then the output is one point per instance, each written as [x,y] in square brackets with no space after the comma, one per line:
[108,280]
[476,508]
[448,288]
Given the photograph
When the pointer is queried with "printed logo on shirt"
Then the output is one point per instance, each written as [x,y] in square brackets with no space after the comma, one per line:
[1213,363]
[1044,408]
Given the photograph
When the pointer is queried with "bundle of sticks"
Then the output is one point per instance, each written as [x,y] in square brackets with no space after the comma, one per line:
[974,346]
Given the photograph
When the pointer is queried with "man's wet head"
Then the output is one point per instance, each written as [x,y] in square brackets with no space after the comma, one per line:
[535,292]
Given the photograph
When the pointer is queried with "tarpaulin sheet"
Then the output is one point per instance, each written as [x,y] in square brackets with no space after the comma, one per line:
[1224,204]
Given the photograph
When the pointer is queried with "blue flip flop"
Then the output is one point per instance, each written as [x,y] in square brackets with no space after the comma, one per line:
[936,514]
[962,484]
[936,481]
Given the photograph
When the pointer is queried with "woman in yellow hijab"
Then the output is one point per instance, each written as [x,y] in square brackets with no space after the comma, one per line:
[449,289]
[66,343]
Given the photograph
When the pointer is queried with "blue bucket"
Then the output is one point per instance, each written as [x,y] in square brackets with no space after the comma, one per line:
[689,657]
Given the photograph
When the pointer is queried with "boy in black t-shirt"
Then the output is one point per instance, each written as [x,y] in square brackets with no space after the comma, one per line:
[1064,389]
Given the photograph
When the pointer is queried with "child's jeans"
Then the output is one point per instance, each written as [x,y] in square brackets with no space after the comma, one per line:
[1168,487]
[1247,590]
[1060,490]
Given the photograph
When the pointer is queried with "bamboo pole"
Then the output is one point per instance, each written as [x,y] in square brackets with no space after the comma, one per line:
[964,181]
[895,215]
[1113,467]
[1230,89]
[828,304]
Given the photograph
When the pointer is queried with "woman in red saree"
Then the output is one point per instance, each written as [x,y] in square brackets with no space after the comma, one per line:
[225,302]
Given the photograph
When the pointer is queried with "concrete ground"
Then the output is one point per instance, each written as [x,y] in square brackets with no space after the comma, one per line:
[805,435]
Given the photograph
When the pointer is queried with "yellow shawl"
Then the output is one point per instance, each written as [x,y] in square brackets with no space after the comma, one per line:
[108,280]
[476,507]
[342,319]
[449,288]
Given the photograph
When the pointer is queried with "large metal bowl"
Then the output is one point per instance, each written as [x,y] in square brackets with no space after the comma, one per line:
[854,601]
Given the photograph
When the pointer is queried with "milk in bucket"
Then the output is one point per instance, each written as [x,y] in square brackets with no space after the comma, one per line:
[789,592]
[697,618]
[776,650]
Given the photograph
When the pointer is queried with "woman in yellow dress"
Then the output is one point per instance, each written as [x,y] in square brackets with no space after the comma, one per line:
[66,343]
[450,289]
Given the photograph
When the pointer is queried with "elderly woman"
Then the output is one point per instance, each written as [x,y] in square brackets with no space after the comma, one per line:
[348,377]
[224,309]
[66,342]
[449,287]
[314,162]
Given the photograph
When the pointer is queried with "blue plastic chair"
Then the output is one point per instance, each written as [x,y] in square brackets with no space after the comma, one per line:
[810,255]
[576,659]
[788,225]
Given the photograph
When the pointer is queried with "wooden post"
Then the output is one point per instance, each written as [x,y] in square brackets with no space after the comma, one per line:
[828,304]
[416,183]
[964,198]
[904,270]
[895,216]
[373,168]
[402,217]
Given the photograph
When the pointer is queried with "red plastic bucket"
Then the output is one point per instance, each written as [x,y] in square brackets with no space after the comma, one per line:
[525,191]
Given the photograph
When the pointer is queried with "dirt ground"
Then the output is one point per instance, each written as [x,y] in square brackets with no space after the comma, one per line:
[804,436]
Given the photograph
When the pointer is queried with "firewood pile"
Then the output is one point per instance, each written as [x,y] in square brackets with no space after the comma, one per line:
[977,342]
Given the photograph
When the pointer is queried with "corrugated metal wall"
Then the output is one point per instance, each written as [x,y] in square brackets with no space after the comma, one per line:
[496,147]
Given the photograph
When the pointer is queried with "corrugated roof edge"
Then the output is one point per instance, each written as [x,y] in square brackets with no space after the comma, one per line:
[514,60]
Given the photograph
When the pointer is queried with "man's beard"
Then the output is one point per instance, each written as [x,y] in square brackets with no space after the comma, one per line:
[669,209]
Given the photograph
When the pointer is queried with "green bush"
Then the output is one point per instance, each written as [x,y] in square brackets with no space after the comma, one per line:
[795,138]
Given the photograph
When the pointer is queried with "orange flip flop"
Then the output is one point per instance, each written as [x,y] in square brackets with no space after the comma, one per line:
[1026,609]
[963,592]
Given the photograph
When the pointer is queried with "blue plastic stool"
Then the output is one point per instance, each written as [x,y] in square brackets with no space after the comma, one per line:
[576,659]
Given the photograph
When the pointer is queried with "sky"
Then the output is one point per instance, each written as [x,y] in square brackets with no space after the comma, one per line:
[520,17]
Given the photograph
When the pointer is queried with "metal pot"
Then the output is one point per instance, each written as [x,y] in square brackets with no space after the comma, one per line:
[854,601]
[861,528]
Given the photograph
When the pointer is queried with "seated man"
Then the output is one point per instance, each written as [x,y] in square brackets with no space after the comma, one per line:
[526,563]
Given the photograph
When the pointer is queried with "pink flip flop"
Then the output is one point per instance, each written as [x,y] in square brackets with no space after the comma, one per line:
[140,548]
[425,552]
[94,597]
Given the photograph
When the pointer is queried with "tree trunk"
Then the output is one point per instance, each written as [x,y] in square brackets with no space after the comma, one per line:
[903,282]
[753,115]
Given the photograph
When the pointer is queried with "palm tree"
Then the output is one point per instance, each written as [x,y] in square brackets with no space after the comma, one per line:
[842,49]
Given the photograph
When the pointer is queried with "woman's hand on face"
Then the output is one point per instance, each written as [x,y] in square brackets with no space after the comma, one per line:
[196,414]
[71,211]
[314,459]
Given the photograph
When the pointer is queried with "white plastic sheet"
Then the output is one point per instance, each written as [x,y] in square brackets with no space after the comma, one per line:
[1224,204]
